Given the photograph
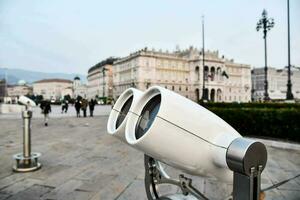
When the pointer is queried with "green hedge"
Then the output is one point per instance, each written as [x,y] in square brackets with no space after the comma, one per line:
[281,123]
[252,105]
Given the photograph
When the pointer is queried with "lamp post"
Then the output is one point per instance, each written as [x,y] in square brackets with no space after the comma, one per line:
[265,24]
[289,94]
[203,61]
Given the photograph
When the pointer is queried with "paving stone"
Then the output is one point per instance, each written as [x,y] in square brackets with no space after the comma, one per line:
[290,195]
[97,183]
[20,186]
[274,195]
[68,191]
[34,192]
[135,190]
[4,196]
[61,177]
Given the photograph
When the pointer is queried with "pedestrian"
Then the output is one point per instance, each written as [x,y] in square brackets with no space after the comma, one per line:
[112,103]
[77,107]
[62,106]
[91,107]
[66,106]
[46,109]
[84,105]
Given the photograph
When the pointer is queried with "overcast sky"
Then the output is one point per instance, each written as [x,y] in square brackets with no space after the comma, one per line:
[71,36]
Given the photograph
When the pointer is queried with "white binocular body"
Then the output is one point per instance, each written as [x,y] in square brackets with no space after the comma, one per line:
[26,101]
[173,130]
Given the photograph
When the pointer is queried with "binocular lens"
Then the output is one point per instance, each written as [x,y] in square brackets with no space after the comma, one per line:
[147,117]
[124,110]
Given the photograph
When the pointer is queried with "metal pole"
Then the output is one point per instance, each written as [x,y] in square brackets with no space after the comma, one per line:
[26,161]
[26,136]
[203,61]
[289,94]
[266,68]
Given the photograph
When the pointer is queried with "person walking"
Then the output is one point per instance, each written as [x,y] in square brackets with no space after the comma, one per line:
[66,106]
[62,106]
[77,107]
[112,103]
[91,107]
[84,105]
[46,109]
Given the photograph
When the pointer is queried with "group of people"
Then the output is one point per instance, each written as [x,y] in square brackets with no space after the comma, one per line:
[82,104]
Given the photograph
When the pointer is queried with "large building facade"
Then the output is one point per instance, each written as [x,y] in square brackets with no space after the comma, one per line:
[277,83]
[182,72]
[100,79]
[53,89]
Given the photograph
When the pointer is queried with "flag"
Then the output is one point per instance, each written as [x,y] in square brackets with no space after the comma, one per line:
[225,74]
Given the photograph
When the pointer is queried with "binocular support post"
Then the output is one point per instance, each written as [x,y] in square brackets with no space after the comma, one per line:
[247,159]
[155,175]
[26,161]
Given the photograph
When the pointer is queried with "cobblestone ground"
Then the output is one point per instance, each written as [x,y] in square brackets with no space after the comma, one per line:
[81,161]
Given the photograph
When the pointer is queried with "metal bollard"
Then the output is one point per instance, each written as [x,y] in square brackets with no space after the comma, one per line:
[26,161]
[247,159]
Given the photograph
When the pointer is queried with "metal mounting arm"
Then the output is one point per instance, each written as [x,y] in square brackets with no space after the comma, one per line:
[155,175]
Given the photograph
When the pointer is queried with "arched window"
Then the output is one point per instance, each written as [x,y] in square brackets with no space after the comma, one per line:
[197,71]
[206,73]
[212,95]
[219,95]
[219,74]
[212,73]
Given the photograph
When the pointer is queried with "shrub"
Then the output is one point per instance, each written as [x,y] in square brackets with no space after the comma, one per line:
[281,122]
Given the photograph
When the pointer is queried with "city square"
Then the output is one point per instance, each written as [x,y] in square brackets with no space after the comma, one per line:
[81,161]
[149,100]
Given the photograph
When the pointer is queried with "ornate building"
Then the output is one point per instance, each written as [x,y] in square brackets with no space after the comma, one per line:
[53,89]
[182,72]
[100,79]
[79,89]
[277,80]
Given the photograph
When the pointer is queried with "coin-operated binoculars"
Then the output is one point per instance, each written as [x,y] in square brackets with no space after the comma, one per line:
[171,129]
[26,161]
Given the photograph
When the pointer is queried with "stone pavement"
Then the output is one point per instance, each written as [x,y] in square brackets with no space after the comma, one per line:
[81,161]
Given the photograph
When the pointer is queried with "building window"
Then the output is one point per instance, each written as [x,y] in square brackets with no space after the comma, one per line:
[173,87]
[186,89]
[197,73]
[179,88]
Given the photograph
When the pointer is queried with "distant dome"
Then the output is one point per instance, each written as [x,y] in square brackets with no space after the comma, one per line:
[77,78]
[21,82]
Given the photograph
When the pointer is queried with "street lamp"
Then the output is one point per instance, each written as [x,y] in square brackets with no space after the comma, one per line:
[289,94]
[266,24]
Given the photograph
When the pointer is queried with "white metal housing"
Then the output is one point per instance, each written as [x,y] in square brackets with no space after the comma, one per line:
[26,101]
[183,134]
[119,131]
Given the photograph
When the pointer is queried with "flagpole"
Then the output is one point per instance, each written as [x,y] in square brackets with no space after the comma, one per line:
[203,60]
